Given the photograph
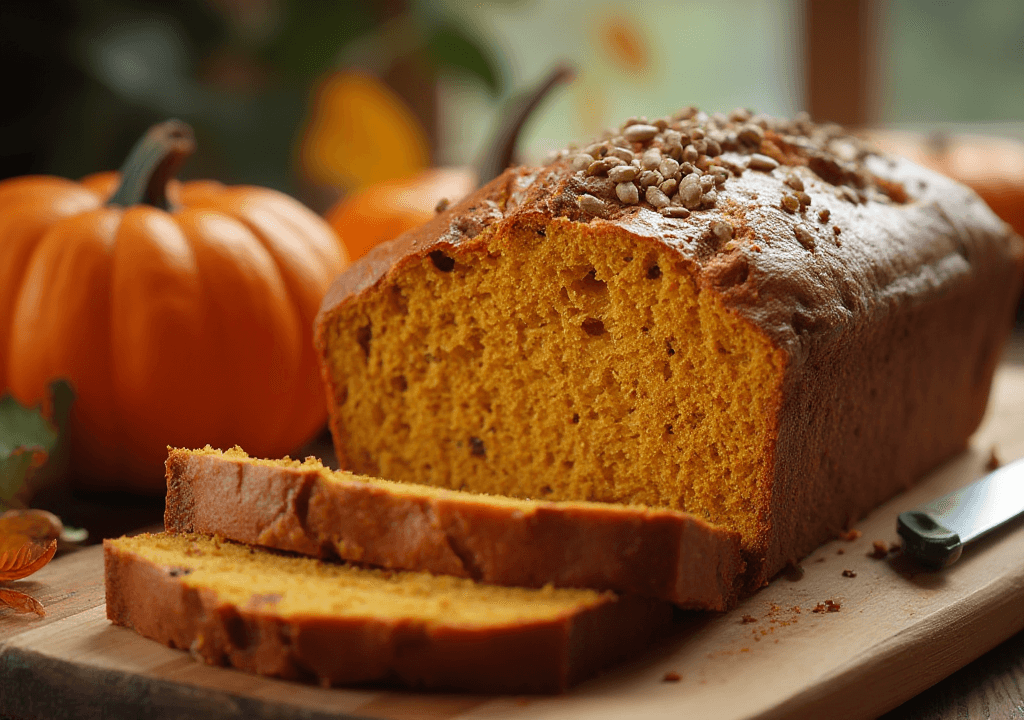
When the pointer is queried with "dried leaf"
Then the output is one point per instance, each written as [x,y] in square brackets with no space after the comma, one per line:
[626,44]
[28,540]
[36,525]
[20,602]
[25,560]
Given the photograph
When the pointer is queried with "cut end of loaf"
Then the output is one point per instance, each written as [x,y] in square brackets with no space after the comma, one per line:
[560,361]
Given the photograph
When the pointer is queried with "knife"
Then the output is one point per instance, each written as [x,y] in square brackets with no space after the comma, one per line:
[935,534]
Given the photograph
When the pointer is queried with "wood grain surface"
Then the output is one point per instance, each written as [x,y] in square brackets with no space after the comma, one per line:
[897,631]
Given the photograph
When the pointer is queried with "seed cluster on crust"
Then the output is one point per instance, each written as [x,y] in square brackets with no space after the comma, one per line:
[680,164]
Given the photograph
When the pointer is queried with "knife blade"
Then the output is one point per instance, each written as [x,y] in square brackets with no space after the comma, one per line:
[935,533]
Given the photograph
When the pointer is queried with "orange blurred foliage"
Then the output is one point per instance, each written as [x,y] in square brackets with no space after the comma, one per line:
[626,44]
[361,133]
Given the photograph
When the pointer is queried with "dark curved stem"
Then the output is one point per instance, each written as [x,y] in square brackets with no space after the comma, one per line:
[514,116]
[152,163]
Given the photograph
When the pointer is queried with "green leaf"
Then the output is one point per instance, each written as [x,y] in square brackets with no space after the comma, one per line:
[23,428]
[61,397]
[312,34]
[451,46]
[14,468]
[28,437]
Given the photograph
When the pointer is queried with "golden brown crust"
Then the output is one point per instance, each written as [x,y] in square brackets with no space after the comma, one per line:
[535,656]
[664,554]
[890,295]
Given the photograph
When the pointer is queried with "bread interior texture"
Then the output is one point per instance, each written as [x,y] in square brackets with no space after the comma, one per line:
[562,363]
[287,586]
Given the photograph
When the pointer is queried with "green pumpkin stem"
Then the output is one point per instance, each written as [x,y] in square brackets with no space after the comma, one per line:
[514,115]
[152,163]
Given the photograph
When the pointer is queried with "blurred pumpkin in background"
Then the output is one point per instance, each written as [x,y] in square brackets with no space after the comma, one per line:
[992,166]
[181,313]
[376,212]
[387,209]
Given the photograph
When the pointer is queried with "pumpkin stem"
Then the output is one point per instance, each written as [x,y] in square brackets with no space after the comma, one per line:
[514,115]
[152,163]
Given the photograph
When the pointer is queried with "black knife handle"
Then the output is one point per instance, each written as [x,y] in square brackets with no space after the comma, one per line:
[927,541]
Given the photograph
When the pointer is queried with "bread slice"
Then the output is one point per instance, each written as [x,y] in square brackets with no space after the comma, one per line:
[762,322]
[297,617]
[307,508]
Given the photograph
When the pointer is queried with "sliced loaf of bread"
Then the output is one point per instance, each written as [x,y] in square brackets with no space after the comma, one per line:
[762,322]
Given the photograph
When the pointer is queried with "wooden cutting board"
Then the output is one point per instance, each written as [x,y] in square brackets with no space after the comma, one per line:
[896,631]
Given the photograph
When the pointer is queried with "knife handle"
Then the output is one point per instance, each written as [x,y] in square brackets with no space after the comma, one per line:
[927,541]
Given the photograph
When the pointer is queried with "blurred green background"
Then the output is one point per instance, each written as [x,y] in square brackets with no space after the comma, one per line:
[84,79]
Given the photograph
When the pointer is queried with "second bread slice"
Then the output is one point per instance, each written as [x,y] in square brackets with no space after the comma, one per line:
[307,508]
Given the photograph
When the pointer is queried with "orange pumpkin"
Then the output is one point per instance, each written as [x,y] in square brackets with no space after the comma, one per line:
[992,166]
[387,209]
[181,313]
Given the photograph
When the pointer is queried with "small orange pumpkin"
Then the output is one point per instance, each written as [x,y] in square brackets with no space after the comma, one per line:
[387,209]
[181,313]
[992,166]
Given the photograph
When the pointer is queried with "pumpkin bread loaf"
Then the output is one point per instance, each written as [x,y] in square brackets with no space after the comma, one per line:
[761,322]
[301,618]
[306,508]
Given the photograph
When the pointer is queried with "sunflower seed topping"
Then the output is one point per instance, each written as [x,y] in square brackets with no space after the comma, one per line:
[722,230]
[763,163]
[686,162]
[627,193]
[640,132]
[804,236]
[651,177]
[690,195]
[651,159]
[592,205]
[668,167]
[790,203]
[751,135]
[581,162]
[675,211]
[621,153]
[657,198]
[623,174]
